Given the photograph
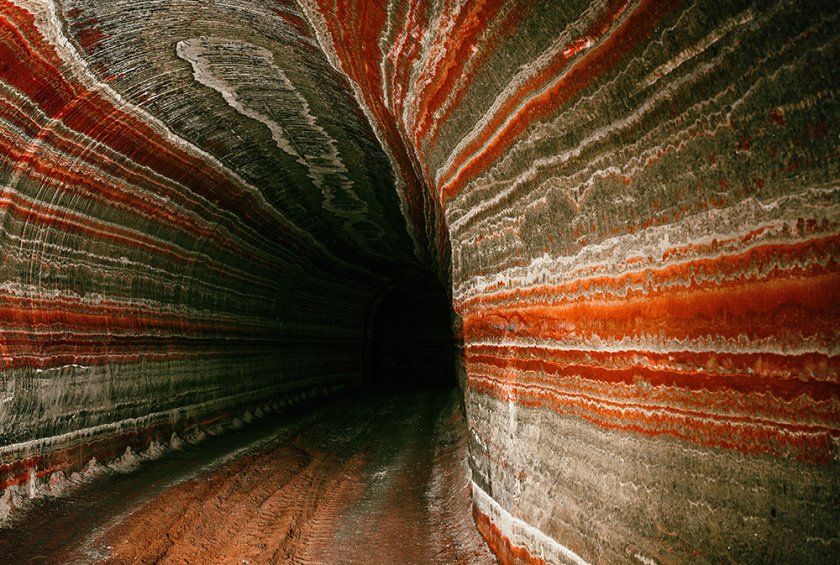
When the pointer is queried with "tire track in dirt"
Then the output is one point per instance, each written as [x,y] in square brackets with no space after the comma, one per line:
[369,477]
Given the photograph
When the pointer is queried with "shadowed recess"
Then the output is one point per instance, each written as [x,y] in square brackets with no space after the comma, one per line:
[412,341]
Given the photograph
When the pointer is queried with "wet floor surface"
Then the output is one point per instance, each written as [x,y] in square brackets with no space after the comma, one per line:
[364,477]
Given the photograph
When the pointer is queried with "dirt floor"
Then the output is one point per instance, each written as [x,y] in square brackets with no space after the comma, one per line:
[368,477]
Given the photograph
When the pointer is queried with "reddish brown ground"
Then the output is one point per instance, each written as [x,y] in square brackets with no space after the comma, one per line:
[369,478]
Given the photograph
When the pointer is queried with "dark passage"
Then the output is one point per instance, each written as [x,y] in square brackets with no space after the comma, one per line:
[412,345]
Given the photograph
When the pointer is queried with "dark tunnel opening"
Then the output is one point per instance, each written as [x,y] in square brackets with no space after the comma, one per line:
[410,344]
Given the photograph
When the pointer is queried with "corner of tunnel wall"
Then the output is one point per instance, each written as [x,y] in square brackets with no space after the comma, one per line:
[34,468]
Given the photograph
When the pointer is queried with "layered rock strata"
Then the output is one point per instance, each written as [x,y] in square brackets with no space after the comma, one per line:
[634,203]
[642,204]
[195,218]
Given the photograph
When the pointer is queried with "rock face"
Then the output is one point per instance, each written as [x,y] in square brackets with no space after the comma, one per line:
[635,205]
[196,216]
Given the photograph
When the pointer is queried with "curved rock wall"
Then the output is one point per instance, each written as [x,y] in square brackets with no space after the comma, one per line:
[635,203]
[641,200]
[194,219]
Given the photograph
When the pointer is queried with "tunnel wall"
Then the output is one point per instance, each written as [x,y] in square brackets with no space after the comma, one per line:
[641,202]
[634,203]
[172,253]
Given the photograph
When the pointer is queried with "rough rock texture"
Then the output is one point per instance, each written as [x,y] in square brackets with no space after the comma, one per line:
[195,218]
[635,203]
[642,204]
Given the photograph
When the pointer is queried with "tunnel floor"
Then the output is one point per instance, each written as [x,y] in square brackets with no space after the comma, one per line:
[364,477]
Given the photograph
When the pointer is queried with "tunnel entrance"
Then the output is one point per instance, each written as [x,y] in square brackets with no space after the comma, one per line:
[410,340]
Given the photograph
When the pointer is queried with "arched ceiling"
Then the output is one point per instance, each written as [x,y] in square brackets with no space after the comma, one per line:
[247,83]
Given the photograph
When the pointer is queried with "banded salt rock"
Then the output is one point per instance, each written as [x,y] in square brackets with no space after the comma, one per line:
[633,203]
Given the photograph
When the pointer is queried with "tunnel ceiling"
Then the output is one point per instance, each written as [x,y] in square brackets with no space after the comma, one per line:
[632,203]
[247,85]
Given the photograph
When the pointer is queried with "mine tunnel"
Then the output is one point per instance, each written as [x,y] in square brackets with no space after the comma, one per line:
[401,281]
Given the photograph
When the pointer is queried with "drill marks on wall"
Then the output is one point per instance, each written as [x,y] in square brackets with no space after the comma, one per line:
[639,197]
[468,42]
[625,148]
[96,168]
[214,60]
[311,100]
[535,87]
[345,31]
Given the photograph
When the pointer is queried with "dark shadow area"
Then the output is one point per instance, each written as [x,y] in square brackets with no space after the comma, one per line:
[410,340]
